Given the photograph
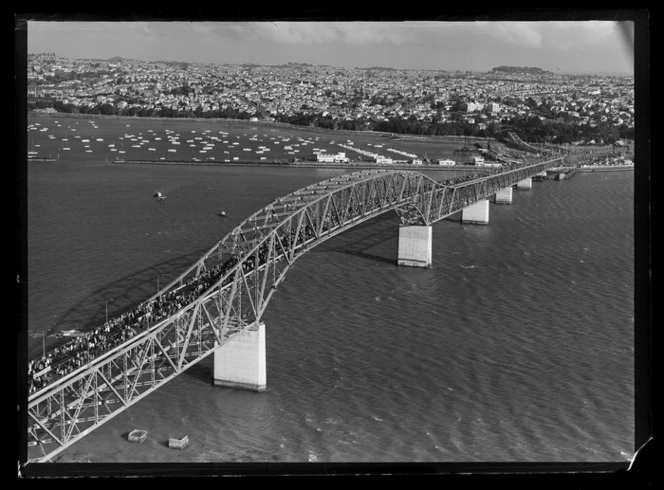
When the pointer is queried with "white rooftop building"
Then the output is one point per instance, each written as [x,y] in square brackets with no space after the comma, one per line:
[332,158]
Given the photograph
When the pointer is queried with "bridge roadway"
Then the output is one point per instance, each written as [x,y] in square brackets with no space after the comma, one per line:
[227,290]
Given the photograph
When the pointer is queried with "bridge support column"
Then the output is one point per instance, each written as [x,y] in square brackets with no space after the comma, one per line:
[504,196]
[241,362]
[477,213]
[415,245]
[525,184]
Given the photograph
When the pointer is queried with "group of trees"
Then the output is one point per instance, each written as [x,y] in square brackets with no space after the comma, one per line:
[102,108]
[528,128]
[111,110]
[410,125]
[561,131]
[229,113]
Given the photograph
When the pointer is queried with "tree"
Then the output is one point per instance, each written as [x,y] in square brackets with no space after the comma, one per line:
[608,132]
[626,132]
[107,109]
[167,112]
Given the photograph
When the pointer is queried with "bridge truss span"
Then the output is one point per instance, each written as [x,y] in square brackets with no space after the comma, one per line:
[228,289]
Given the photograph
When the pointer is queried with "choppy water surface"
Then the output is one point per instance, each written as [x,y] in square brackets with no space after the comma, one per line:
[517,345]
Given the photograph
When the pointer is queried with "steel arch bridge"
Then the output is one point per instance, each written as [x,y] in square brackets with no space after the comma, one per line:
[228,289]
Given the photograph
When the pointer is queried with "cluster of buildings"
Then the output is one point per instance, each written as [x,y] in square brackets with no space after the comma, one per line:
[269,91]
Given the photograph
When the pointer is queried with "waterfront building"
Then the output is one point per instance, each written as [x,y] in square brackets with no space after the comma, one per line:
[336,158]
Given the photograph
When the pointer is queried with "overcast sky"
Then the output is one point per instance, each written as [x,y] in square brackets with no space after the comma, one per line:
[560,46]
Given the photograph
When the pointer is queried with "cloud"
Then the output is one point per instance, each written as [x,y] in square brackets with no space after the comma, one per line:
[561,35]
[574,35]
[516,33]
[558,34]
[328,32]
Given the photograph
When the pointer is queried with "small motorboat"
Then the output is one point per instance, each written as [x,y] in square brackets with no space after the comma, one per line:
[222,213]
[158,196]
[180,443]
[138,435]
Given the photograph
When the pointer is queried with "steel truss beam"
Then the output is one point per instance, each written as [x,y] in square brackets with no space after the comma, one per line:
[261,250]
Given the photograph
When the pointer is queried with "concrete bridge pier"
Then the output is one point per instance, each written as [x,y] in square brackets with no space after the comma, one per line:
[415,245]
[477,213]
[241,362]
[525,184]
[504,196]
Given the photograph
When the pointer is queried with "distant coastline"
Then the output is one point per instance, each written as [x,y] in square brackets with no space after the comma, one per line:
[606,168]
[350,166]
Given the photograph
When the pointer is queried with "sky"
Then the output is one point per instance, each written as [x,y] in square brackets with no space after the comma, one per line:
[602,47]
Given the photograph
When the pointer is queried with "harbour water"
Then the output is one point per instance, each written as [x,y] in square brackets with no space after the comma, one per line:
[517,345]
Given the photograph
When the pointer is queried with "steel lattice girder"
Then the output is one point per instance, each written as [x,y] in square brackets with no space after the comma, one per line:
[265,245]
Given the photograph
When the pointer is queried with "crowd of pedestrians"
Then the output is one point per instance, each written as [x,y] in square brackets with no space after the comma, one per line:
[461,179]
[68,357]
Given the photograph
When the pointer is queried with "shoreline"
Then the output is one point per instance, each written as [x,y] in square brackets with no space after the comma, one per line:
[351,166]
[607,168]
